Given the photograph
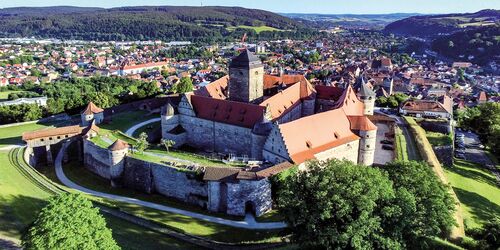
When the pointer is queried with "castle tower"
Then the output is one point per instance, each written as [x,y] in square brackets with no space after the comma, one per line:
[171,127]
[92,113]
[365,129]
[367,97]
[246,78]
[117,152]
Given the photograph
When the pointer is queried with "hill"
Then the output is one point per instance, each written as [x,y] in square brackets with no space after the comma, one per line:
[141,23]
[435,25]
[372,21]
[481,45]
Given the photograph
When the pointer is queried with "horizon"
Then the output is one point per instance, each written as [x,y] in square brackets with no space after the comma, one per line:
[355,7]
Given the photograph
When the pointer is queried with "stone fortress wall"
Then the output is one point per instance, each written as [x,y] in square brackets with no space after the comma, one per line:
[185,186]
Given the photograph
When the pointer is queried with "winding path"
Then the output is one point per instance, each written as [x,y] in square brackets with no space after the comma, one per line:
[131,130]
[248,223]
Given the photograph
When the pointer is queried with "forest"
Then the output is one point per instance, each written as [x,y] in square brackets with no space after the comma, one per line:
[198,24]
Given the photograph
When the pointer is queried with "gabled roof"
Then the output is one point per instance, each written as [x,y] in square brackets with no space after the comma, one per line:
[350,103]
[216,89]
[223,174]
[287,99]
[92,109]
[361,123]
[310,135]
[225,111]
[76,129]
[271,81]
[118,145]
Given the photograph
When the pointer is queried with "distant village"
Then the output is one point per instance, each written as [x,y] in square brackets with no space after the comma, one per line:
[332,62]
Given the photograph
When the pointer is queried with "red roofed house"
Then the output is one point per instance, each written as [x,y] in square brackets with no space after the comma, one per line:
[92,113]
[272,118]
[440,108]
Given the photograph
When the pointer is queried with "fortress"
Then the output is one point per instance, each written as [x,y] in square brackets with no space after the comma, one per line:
[273,119]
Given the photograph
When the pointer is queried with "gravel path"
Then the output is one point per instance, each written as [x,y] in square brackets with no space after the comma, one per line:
[248,223]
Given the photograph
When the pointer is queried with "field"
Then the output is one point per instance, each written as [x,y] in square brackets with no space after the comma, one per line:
[477,190]
[257,29]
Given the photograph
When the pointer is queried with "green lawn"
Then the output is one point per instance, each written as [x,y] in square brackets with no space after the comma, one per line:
[4,95]
[257,29]
[125,120]
[476,189]
[20,199]
[12,135]
[401,147]
[176,222]
[438,139]
[147,128]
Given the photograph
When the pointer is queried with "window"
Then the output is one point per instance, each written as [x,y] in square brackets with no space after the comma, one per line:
[42,139]
[367,146]
[50,138]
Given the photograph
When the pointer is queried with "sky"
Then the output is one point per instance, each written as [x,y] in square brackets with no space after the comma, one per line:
[292,6]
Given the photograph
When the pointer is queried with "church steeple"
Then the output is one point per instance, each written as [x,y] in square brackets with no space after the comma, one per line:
[246,78]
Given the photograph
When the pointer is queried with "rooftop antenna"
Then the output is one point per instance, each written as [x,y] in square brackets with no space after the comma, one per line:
[201,3]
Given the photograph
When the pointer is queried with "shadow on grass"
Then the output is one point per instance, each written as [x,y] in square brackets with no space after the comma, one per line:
[17,213]
[476,174]
[481,208]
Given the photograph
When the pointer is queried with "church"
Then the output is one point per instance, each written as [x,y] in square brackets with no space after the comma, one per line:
[273,118]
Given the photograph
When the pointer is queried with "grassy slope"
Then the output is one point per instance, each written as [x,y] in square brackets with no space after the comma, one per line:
[12,135]
[177,222]
[438,139]
[21,199]
[477,191]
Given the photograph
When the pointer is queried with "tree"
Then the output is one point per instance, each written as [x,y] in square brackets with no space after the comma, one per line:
[167,143]
[69,221]
[485,121]
[142,143]
[184,85]
[434,205]
[337,204]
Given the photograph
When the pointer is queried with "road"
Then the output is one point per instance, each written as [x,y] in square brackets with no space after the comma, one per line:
[478,155]
[131,130]
[248,223]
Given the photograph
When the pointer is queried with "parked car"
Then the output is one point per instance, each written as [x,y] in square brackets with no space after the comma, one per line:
[460,150]
[386,142]
[387,147]
[460,156]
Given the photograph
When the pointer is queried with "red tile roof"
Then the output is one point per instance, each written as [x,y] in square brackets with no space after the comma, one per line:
[350,103]
[286,100]
[224,111]
[92,109]
[310,135]
[361,123]
[52,132]
[271,81]
[216,89]
[118,145]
